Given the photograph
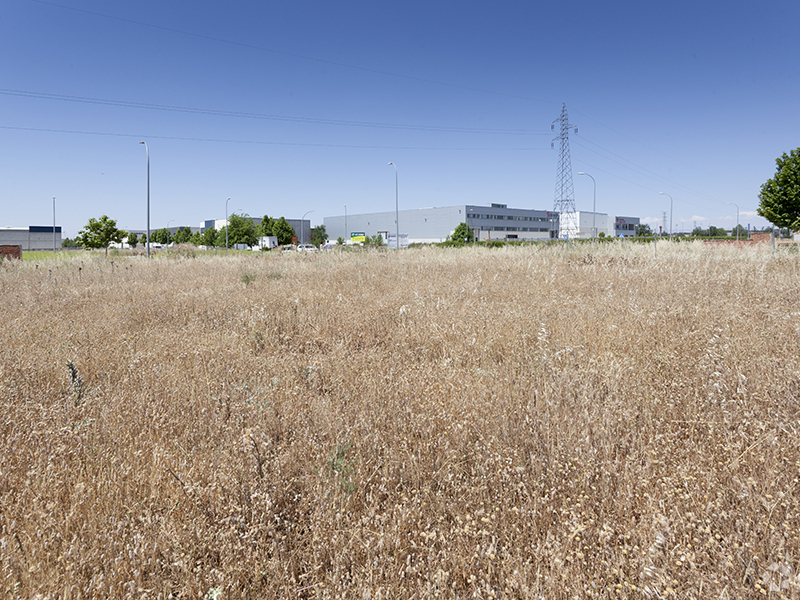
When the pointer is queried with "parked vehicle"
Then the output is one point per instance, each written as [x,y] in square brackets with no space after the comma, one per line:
[306,248]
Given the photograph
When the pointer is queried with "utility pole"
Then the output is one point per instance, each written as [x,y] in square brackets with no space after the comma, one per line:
[564,203]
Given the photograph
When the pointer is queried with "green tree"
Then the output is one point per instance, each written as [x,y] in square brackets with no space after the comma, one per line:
[241,230]
[220,238]
[99,233]
[780,196]
[699,232]
[182,236]
[283,231]
[717,232]
[740,229]
[318,235]
[462,233]
[133,239]
[68,243]
[160,236]
[265,228]
[209,237]
[642,229]
[339,241]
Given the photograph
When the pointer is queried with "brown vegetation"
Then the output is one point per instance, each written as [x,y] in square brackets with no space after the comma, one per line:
[523,423]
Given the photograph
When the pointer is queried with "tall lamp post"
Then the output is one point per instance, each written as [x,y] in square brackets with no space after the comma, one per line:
[302,227]
[396,205]
[148,197]
[594,204]
[670,213]
[54,224]
[168,233]
[345,223]
[226,224]
[737,219]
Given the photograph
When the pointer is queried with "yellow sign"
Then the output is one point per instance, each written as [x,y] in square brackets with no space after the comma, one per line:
[358,236]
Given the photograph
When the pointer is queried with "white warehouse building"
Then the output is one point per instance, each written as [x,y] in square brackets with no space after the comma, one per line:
[579,225]
[433,225]
[35,237]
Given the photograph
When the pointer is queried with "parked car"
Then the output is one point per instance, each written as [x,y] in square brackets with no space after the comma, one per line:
[306,248]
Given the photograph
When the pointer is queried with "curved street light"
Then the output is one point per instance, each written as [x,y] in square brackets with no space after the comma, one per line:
[670,213]
[594,204]
[148,197]
[396,205]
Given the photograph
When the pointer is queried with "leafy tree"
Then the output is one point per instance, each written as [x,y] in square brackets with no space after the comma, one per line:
[740,229]
[209,237]
[219,238]
[182,236]
[780,196]
[283,231]
[642,229]
[241,230]
[318,235]
[265,228]
[717,232]
[462,233]
[99,233]
[699,232]
[133,239]
[160,236]
[68,243]
[339,241]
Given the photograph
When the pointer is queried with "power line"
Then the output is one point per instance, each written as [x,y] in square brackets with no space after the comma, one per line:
[246,115]
[260,142]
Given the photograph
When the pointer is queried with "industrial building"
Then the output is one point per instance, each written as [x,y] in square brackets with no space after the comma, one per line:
[432,225]
[580,224]
[35,237]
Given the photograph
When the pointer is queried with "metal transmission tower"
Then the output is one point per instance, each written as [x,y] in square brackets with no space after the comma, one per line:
[564,203]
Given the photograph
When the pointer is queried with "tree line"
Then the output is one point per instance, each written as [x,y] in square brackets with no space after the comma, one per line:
[241,229]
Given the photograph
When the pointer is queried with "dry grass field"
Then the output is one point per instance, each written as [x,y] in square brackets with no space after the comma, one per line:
[526,423]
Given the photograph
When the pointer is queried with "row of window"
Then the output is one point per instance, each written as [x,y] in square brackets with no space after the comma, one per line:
[509,217]
[489,228]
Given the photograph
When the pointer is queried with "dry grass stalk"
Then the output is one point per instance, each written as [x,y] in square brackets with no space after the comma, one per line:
[528,423]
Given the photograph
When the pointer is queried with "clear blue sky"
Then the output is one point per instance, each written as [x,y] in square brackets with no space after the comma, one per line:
[290,107]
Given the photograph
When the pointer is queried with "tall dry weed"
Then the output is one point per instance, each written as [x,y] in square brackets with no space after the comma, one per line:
[532,422]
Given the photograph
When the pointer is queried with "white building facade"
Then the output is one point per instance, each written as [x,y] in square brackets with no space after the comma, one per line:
[433,225]
[35,237]
[586,225]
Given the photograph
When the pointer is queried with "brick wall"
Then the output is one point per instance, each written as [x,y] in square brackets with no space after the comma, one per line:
[11,252]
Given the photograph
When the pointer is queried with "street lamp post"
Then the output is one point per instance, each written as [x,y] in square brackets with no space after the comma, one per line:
[396,205]
[594,203]
[670,213]
[54,224]
[302,227]
[148,197]
[345,224]
[737,219]
[168,233]
[226,224]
